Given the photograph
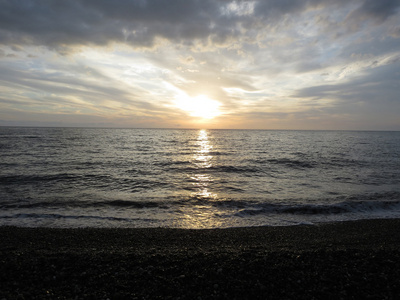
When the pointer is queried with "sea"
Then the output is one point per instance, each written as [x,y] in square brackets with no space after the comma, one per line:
[183,178]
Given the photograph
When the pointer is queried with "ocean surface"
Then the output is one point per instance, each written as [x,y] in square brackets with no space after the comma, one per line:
[84,177]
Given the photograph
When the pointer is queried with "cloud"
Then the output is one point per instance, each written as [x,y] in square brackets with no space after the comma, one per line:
[379,11]
[370,96]
[262,59]
[380,82]
[140,23]
[70,88]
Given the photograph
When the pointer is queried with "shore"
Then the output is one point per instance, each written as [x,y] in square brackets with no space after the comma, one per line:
[347,260]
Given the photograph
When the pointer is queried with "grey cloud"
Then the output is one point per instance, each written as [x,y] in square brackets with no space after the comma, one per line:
[377,10]
[57,23]
[43,86]
[99,22]
[55,83]
[377,89]
[375,46]
[360,14]
[395,32]
[277,8]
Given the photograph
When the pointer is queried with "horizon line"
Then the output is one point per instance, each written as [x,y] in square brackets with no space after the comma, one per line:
[187,128]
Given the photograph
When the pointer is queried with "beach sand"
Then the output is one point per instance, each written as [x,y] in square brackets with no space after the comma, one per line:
[346,260]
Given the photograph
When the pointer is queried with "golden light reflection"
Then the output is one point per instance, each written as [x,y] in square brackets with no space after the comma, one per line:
[202,213]
[200,217]
[203,160]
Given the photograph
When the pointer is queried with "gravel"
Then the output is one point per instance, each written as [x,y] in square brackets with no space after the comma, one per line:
[348,260]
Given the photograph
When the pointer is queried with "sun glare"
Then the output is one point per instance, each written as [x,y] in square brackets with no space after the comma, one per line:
[200,106]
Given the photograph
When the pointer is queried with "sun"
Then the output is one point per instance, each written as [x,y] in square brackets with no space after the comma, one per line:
[200,106]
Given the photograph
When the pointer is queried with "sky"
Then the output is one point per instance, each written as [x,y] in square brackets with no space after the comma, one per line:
[270,64]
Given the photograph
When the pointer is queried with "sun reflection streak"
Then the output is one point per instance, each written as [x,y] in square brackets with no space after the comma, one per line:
[203,160]
[200,211]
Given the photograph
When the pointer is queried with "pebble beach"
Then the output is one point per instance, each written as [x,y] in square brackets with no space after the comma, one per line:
[346,260]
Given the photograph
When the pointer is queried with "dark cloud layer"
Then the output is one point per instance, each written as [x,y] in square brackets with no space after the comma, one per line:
[59,23]
[378,10]
[140,22]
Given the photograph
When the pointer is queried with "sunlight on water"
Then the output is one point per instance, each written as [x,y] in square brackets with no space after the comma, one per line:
[201,216]
[203,160]
[73,177]
[198,216]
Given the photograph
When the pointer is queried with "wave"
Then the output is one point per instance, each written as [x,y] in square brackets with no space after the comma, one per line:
[36,178]
[242,207]
[309,163]
[216,169]
[134,180]
[297,164]
[225,212]
[61,216]
[85,204]
[345,207]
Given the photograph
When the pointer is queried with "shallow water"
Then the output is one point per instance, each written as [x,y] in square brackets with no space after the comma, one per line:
[79,177]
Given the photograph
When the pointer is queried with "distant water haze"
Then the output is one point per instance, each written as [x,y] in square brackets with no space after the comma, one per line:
[85,177]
